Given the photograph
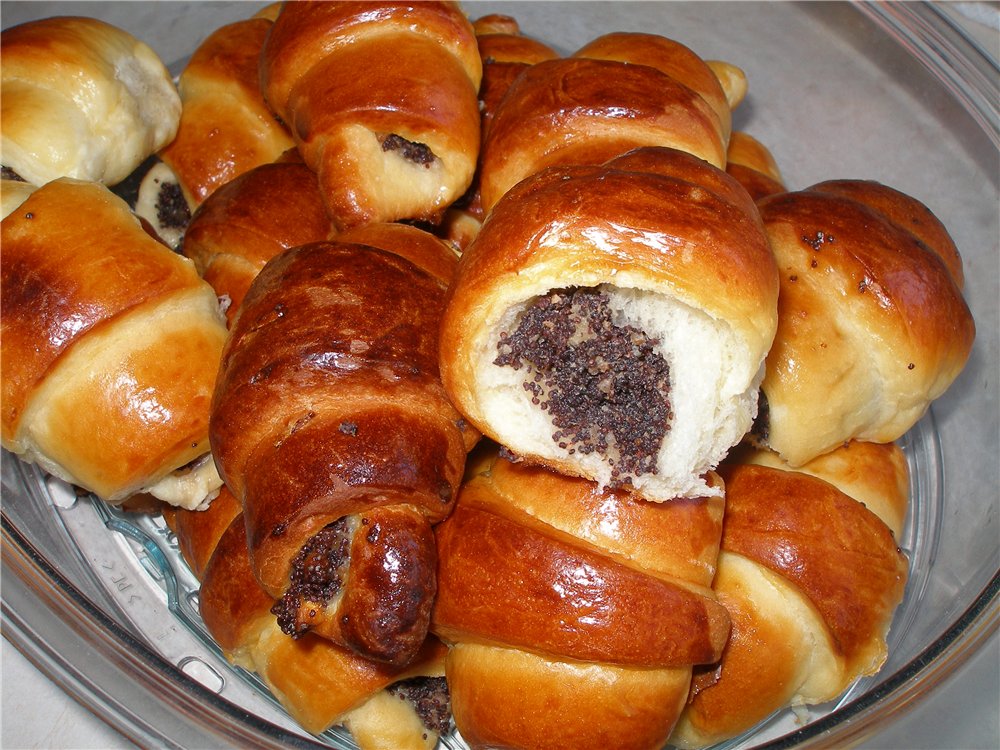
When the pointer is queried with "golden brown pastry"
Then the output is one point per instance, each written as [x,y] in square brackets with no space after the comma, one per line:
[612,322]
[753,164]
[872,324]
[249,220]
[732,79]
[811,577]
[110,345]
[573,615]
[381,100]
[332,428]
[81,98]
[677,61]
[874,474]
[225,127]
[317,682]
[620,92]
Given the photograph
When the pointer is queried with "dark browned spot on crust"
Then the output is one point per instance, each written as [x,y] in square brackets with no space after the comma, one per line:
[604,385]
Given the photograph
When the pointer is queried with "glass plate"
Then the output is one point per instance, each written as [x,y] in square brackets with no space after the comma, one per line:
[100,600]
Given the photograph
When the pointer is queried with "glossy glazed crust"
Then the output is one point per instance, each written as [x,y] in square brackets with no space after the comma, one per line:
[505,52]
[82,99]
[837,552]
[874,474]
[344,76]
[676,541]
[904,211]
[249,220]
[524,596]
[582,110]
[415,245]
[198,532]
[670,57]
[629,224]
[506,698]
[811,578]
[872,324]
[225,128]
[102,314]
[328,405]
[552,592]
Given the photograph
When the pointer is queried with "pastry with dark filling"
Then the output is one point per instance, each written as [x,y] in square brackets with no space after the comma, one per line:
[381,101]
[611,322]
[331,426]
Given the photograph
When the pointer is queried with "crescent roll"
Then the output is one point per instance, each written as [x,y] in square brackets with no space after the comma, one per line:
[317,682]
[555,594]
[330,424]
[620,92]
[872,325]
[612,322]
[381,100]
[225,127]
[110,347]
[811,575]
[246,222]
[81,98]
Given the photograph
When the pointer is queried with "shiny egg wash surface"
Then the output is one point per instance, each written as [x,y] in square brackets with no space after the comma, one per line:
[604,385]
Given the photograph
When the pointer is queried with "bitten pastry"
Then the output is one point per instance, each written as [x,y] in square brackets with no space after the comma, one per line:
[612,322]
[110,348]
[811,577]
[81,98]
[872,325]
[573,615]
[317,682]
[381,100]
[225,127]
[249,220]
[620,92]
[332,428]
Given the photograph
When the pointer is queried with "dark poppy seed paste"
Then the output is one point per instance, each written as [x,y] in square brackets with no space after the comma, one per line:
[317,575]
[605,386]
[171,207]
[418,153]
[429,698]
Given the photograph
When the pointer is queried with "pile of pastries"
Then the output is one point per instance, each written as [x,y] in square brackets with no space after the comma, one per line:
[487,389]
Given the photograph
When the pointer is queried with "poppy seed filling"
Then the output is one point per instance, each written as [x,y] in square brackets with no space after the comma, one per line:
[605,386]
[316,576]
[418,153]
[429,698]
